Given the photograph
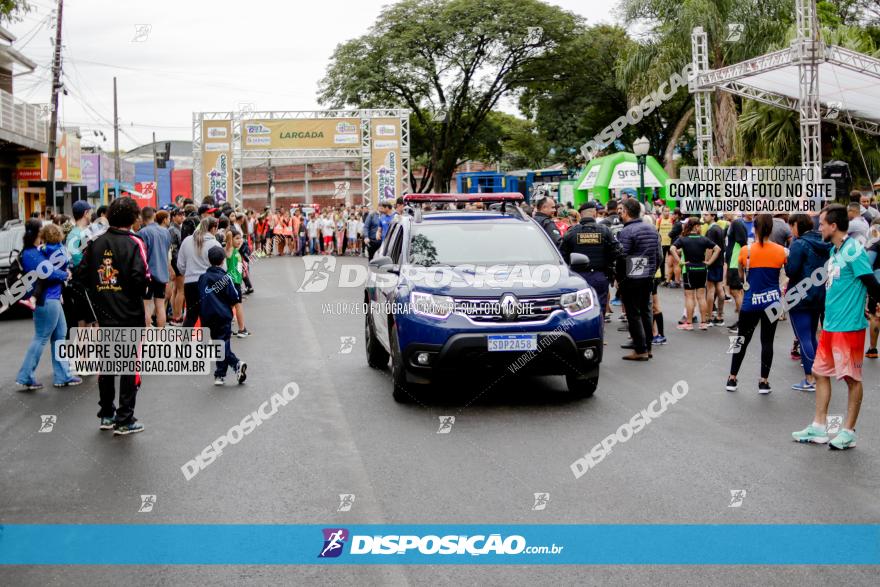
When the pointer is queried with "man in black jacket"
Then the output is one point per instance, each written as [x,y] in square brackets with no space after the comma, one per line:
[641,246]
[596,242]
[115,270]
[545,207]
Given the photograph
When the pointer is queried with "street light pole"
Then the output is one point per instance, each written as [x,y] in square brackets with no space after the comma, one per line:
[640,148]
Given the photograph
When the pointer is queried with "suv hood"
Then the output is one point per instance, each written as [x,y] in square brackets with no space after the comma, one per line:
[469,281]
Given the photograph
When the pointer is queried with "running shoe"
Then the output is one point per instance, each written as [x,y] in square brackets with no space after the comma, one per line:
[107,424]
[248,291]
[72,382]
[218,381]
[717,322]
[804,386]
[795,351]
[682,320]
[659,340]
[704,326]
[764,387]
[621,318]
[30,386]
[177,323]
[733,328]
[623,328]
[243,333]
[132,428]
[241,372]
[728,299]
[616,302]
[812,434]
[607,318]
[731,384]
[871,354]
[685,326]
[844,440]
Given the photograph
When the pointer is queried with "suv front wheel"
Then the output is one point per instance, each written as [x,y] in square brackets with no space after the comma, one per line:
[377,357]
[582,387]
[398,370]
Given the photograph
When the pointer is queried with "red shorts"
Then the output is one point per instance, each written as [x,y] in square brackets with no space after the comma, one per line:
[840,354]
[328,240]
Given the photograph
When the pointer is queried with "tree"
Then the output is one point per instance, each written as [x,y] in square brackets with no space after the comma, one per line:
[450,62]
[13,10]
[573,93]
[668,49]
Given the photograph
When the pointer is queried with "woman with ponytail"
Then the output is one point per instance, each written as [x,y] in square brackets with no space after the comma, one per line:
[192,260]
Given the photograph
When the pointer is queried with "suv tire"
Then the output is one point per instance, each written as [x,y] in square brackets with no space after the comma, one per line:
[582,387]
[398,370]
[377,357]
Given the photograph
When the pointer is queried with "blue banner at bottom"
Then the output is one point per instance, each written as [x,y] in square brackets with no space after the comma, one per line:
[227,544]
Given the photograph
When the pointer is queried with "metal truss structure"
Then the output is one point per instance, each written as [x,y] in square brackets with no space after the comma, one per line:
[362,153]
[809,55]
[702,99]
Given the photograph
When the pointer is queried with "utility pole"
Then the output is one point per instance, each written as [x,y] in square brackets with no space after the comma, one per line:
[115,139]
[155,171]
[53,124]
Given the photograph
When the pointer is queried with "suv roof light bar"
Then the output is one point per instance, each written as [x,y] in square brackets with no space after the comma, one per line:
[464,198]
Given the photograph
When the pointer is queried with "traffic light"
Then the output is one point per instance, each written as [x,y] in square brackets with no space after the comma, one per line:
[163,157]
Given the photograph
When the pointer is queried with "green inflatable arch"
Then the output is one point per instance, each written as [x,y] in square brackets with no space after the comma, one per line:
[618,171]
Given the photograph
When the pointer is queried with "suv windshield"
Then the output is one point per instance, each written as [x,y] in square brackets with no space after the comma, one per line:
[480,243]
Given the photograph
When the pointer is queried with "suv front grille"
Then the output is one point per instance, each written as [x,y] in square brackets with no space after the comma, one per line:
[488,310]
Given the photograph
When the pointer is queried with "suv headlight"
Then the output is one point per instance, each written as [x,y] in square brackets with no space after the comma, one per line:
[577,302]
[432,306]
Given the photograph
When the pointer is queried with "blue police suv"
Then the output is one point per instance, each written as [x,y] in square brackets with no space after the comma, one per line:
[483,290]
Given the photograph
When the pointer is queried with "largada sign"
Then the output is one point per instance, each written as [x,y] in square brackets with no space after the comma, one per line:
[224,143]
[303,133]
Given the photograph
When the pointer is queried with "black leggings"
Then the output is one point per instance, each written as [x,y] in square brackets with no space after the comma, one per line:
[191,294]
[748,322]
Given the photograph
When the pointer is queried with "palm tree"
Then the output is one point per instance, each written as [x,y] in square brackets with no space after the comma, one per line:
[667,49]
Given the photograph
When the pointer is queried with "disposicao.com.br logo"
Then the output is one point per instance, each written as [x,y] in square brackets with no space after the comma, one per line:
[334,540]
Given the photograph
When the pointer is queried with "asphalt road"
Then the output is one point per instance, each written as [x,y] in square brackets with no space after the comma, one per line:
[344,434]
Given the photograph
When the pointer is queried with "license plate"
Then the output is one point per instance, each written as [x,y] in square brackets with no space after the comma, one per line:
[513,342]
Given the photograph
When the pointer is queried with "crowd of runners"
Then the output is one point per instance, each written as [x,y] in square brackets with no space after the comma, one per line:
[821,273]
[189,265]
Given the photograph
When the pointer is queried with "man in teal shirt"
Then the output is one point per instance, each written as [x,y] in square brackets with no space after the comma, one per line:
[78,309]
[842,339]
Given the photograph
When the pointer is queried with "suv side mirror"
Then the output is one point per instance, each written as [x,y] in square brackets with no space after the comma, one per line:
[380,262]
[579,262]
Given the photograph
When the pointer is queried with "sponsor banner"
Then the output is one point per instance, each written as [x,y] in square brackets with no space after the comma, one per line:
[74,157]
[387,178]
[608,544]
[147,190]
[216,146]
[217,160]
[91,171]
[626,175]
[301,133]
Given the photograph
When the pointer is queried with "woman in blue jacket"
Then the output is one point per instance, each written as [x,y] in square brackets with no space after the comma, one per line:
[49,323]
[808,252]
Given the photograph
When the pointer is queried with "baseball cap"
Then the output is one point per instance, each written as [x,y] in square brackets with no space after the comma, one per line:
[80,207]
[591,205]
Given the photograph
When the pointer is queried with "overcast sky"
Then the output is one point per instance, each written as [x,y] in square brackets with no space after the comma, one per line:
[207,55]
